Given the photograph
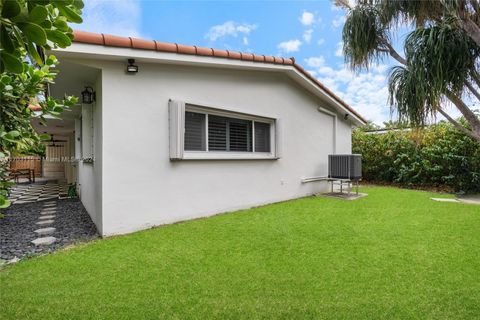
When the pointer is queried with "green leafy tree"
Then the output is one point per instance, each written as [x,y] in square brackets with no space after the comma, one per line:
[27,29]
[441,55]
[436,155]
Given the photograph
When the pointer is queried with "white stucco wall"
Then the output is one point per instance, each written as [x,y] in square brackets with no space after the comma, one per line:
[90,174]
[141,187]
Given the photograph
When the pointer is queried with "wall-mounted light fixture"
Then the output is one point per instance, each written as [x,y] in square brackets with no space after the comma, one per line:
[346,116]
[88,95]
[131,67]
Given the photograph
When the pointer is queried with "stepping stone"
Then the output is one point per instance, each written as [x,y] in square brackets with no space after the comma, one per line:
[44,241]
[44,222]
[48,212]
[49,205]
[46,217]
[14,260]
[45,231]
[444,199]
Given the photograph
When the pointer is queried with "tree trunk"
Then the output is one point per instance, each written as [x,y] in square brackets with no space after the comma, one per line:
[471,118]
[470,133]
[471,29]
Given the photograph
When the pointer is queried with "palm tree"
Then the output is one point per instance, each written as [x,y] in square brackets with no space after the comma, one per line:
[441,59]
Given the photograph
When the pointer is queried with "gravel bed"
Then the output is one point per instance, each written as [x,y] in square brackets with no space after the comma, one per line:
[72,223]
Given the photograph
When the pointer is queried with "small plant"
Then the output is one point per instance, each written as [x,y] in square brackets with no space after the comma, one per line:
[72,191]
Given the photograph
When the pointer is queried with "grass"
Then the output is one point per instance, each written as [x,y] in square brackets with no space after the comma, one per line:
[393,254]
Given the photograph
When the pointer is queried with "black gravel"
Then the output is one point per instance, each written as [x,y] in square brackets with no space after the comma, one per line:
[72,223]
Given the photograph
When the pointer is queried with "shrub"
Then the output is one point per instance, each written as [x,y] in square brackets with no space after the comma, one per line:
[438,155]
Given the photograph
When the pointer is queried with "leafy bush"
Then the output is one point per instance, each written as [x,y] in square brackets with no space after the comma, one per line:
[438,156]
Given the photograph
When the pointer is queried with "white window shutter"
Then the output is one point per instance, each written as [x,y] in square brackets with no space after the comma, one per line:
[176,115]
[278,138]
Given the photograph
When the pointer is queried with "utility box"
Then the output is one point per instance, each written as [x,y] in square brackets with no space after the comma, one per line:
[345,166]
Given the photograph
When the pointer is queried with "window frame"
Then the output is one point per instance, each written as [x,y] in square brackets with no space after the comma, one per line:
[233,155]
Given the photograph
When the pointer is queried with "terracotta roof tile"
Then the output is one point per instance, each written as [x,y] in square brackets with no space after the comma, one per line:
[88,37]
[143,44]
[258,58]
[165,47]
[289,61]
[234,55]
[247,56]
[220,53]
[204,51]
[269,59]
[34,107]
[115,41]
[186,49]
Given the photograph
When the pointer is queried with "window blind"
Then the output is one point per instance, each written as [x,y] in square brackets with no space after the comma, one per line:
[195,131]
[262,137]
[217,133]
[240,135]
[229,134]
[225,133]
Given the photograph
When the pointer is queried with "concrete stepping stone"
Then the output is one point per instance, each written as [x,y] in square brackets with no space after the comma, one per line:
[46,217]
[48,212]
[44,222]
[47,206]
[45,241]
[444,199]
[13,260]
[45,231]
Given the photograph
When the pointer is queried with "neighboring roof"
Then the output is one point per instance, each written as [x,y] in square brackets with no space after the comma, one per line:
[129,42]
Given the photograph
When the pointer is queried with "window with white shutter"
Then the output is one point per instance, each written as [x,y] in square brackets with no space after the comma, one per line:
[209,133]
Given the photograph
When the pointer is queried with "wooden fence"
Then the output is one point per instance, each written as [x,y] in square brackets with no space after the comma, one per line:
[28,162]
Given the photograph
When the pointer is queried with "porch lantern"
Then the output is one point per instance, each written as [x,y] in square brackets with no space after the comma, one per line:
[88,95]
[131,67]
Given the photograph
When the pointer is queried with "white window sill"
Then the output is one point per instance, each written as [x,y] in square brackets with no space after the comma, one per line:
[192,155]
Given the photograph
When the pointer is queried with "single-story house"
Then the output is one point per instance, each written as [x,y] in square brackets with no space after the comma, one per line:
[189,132]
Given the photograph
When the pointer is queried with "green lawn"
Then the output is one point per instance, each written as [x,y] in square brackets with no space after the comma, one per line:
[394,254]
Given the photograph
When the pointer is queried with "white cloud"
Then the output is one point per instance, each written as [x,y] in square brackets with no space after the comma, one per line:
[315,62]
[339,51]
[230,28]
[307,35]
[320,41]
[120,17]
[366,92]
[290,46]
[339,21]
[245,41]
[307,18]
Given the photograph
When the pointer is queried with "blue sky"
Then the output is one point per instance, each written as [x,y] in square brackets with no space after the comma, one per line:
[308,30]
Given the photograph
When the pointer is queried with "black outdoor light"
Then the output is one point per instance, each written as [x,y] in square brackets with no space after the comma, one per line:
[131,67]
[88,95]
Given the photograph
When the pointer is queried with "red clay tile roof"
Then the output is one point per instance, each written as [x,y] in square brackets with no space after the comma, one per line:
[34,107]
[128,42]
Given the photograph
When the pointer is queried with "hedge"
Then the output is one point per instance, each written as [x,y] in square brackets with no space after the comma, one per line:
[436,156]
